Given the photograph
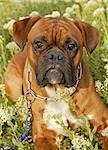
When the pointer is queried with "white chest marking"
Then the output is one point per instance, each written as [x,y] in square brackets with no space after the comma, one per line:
[58,108]
[51,92]
[89,116]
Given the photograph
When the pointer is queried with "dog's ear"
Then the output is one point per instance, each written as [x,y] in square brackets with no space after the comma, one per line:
[90,35]
[21,29]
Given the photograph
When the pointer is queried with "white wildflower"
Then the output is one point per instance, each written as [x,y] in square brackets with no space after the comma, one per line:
[4,115]
[79,142]
[106,83]
[106,45]
[98,85]
[105,132]
[1,38]
[55,14]
[66,15]
[55,1]
[9,25]
[21,105]
[49,15]
[2,89]
[64,94]
[1,45]
[72,10]
[13,47]
[34,13]
[21,18]
[94,23]
[68,10]
[98,12]
[75,7]
[58,141]
[1,4]
[107,10]
[104,58]
[91,3]
[106,68]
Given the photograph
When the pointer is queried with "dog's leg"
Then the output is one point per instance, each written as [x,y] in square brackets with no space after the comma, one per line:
[13,76]
[46,144]
[105,143]
[13,82]
[43,138]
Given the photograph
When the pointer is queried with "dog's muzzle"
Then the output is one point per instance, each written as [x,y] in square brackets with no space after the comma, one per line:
[54,75]
[55,69]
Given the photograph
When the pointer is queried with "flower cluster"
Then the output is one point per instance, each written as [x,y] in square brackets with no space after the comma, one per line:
[102,87]
[12,121]
[4,116]
[64,94]
[34,13]
[9,25]
[80,142]
[105,132]
[12,47]
[54,14]
[72,12]
[94,12]
[78,138]
[2,89]
[82,137]
[98,85]
[98,12]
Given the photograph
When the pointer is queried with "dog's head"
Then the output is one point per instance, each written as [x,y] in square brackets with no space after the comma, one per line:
[55,47]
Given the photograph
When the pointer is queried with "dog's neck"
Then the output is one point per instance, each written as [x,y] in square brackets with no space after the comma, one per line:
[84,78]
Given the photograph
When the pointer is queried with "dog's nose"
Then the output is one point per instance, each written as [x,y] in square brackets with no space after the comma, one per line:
[55,56]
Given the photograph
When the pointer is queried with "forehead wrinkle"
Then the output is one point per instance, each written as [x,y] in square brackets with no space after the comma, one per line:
[53,35]
[43,26]
[67,28]
[58,36]
[58,28]
[55,30]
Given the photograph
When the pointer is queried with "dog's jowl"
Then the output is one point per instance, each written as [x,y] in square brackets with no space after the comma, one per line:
[51,54]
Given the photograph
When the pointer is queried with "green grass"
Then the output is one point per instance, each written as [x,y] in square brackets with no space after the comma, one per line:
[93,12]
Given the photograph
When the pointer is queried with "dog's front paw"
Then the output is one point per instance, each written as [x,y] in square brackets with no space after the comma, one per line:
[105,143]
[46,144]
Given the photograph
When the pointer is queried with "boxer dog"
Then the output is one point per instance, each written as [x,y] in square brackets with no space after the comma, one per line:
[53,48]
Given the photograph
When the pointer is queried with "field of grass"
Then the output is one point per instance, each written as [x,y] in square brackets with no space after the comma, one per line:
[94,12]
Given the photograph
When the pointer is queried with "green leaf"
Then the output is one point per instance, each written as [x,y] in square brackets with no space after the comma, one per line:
[96,146]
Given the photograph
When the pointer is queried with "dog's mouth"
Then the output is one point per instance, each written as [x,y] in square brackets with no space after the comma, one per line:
[54,76]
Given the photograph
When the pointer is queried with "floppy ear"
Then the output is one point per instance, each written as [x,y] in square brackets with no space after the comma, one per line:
[90,35]
[21,29]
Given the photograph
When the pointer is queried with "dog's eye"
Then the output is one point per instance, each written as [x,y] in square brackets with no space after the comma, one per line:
[72,46]
[38,44]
